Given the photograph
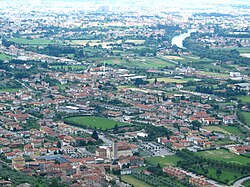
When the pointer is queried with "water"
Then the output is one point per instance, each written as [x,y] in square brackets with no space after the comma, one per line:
[178,40]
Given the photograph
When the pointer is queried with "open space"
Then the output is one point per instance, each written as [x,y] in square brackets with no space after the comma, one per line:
[135,182]
[163,161]
[94,122]
[224,155]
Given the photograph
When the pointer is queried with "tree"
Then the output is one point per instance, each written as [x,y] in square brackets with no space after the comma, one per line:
[116,129]
[59,144]
[95,135]
[196,124]
[218,172]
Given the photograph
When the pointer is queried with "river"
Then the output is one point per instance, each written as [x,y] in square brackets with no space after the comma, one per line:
[178,40]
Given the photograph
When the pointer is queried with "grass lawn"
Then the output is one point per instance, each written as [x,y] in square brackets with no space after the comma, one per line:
[244,99]
[246,183]
[232,130]
[244,49]
[4,56]
[91,121]
[215,128]
[227,176]
[36,41]
[10,89]
[171,80]
[133,181]
[246,116]
[224,129]
[163,161]
[224,155]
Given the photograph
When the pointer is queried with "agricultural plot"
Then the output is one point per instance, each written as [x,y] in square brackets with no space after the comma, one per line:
[36,41]
[135,182]
[94,122]
[143,62]
[224,155]
[221,75]
[171,80]
[69,67]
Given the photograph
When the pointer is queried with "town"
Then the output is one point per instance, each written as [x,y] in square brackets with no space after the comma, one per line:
[121,95]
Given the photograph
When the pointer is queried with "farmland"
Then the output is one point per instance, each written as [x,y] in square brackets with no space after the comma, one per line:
[171,80]
[94,122]
[36,41]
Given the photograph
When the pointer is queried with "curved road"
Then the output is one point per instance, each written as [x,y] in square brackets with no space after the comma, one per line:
[239,182]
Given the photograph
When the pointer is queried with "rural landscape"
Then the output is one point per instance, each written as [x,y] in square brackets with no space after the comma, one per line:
[124,93]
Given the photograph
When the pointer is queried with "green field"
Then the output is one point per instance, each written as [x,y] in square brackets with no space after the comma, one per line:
[223,129]
[69,67]
[36,41]
[163,161]
[224,155]
[133,181]
[221,75]
[215,128]
[246,183]
[232,130]
[227,176]
[244,49]
[171,80]
[246,116]
[244,99]
[143,62]
[4,56]
[10,89]
[94,122]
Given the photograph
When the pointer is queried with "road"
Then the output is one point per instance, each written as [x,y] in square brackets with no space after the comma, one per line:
[102,137]
[238,183]
[28,88]
[6,164]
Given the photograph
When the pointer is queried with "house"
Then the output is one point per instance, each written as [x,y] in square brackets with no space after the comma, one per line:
[174,172]
[240,149]
[18,163]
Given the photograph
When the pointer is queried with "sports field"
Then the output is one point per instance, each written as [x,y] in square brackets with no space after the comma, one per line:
[94,122]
